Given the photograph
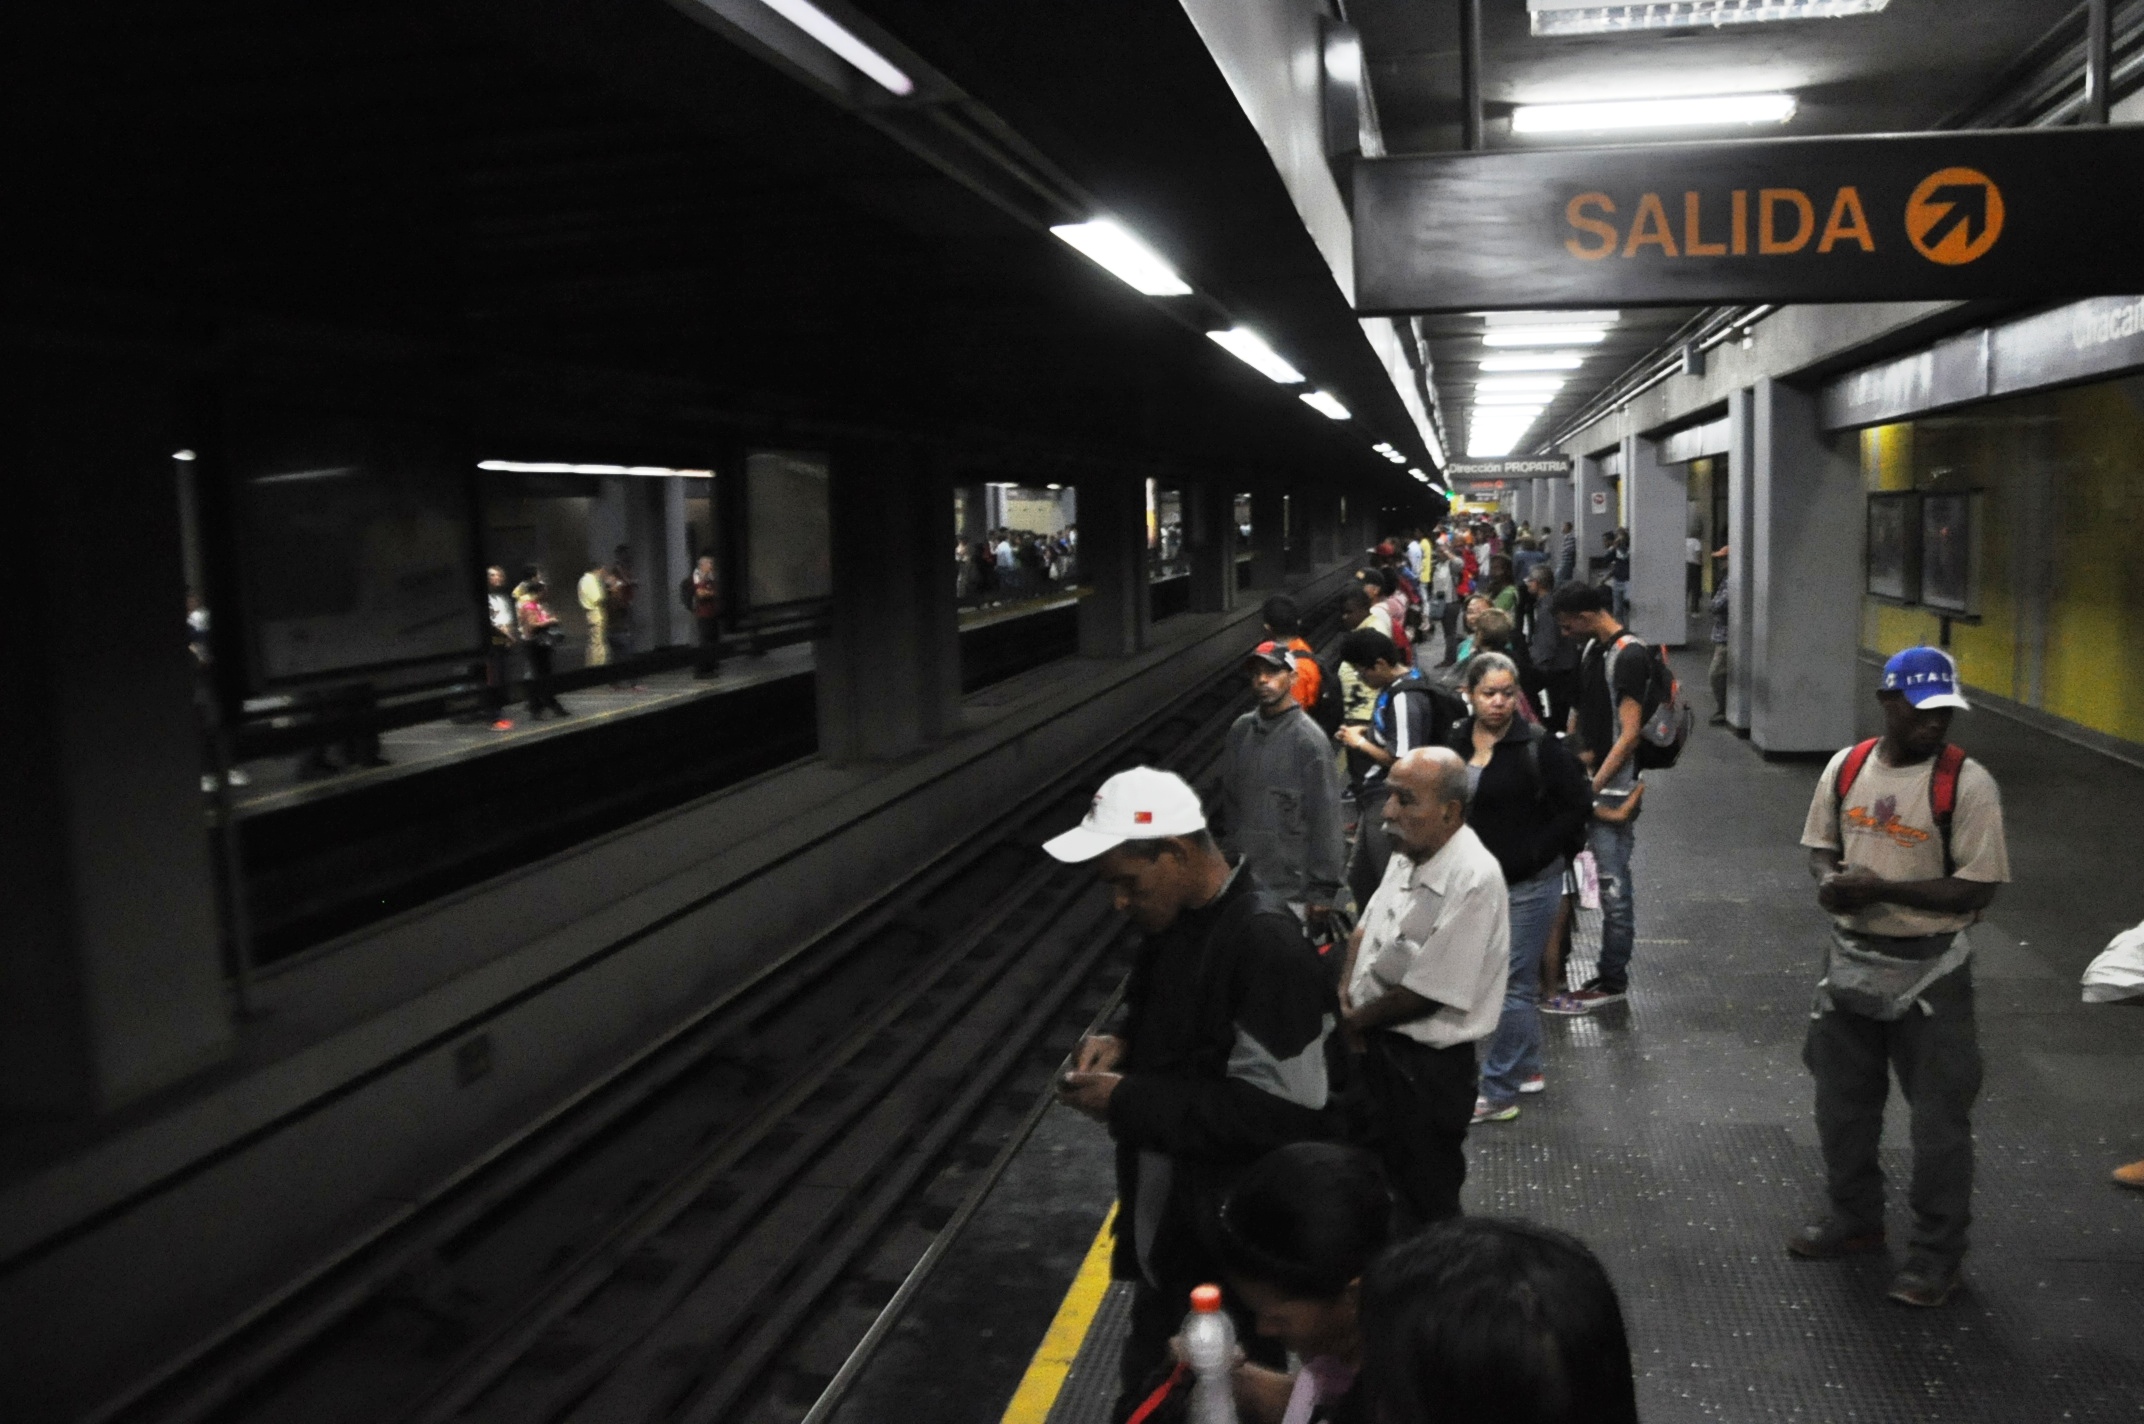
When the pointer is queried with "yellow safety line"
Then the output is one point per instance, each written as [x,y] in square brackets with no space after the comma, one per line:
[1045,1377]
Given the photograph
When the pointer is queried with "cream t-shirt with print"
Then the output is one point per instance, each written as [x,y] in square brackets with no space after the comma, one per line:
[1890,829]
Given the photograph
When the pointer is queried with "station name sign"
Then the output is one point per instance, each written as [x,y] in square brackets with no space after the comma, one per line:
[1946,216]
[1529,467]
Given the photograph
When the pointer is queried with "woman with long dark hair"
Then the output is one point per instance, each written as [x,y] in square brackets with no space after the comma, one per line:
[1481,1321]
[1297,1233]
[1528,800]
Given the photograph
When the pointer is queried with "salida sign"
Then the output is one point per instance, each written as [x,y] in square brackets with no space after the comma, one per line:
[1920,216]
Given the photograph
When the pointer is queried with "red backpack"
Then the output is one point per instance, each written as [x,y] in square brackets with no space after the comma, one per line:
[1942,789]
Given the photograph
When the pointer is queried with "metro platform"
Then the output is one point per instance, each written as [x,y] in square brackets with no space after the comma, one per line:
[1676,1139]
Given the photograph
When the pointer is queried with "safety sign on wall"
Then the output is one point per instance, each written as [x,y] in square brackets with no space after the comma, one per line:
[1598,501]
[2016,213]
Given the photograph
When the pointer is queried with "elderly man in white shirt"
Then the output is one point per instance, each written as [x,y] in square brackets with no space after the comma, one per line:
[1424,981]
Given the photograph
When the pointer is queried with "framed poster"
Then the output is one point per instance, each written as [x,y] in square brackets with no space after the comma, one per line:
[1894,546]
[1950,553]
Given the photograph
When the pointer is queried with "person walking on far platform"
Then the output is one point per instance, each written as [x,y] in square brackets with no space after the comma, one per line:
[595,607]
[1905,838]
[1225,1048]
[1424,982]
[1280,793]
[702,596]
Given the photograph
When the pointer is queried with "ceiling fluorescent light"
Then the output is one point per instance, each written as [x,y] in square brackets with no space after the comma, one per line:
[1250,348]
[1383,447]
[1589,17]
[1544,336]
[1324,405]
[1545,361]
[1110,246]
[559,467]
[841,40]
[1610,114]
[1488,384]
[1550,318]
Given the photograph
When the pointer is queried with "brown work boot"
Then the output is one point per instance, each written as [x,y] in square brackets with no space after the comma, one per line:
[2131,1175]
[1831,1238]
[1924,1284]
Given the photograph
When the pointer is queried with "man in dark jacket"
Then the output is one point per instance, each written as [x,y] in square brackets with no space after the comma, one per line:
[1226,1046]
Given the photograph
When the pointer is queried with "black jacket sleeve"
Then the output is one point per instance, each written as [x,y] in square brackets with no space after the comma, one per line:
[1567,800]
[1278,1086]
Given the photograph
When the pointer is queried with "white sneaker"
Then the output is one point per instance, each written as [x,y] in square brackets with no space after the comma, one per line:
[1535,1084]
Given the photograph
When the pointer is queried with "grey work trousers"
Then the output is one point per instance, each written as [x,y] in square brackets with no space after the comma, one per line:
[1937,1057]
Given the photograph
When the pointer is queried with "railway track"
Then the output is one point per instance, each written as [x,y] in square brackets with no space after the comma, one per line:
[722,1229]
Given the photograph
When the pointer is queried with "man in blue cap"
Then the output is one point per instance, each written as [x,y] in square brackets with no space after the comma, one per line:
[1905,838]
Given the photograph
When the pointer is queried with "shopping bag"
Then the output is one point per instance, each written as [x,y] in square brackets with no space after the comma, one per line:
[1589,880]
[2118,972]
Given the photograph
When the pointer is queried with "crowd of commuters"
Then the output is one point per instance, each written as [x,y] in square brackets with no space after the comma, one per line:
[1345,968]
[1010,564]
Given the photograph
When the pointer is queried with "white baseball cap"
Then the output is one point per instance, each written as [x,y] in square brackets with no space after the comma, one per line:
[1138,805]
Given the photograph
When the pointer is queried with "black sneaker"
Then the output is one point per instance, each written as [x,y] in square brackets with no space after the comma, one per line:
[1831,1238]
[1924,1284]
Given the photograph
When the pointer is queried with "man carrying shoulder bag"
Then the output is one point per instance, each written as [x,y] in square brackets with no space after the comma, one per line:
[1905,838]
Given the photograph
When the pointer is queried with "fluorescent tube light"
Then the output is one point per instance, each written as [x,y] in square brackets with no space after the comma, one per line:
[1550,318]
[1107,244]
[1544,336]
[182,454]
[1383,447]
[1610,114]
[1545,361]
[559,467]
[841,40]
[1541,384]
[1324,405]
[1250,348]
[1589,17]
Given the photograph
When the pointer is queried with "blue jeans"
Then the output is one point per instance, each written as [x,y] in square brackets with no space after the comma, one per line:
[1611,846]
[1515,1048]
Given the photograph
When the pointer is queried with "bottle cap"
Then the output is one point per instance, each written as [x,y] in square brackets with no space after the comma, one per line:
[1206,1299]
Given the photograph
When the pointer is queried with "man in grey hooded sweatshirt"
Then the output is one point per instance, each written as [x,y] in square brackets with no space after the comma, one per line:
[1279,805]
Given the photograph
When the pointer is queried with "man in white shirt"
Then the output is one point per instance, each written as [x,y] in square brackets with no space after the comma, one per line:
[1693,572]
[1424,982]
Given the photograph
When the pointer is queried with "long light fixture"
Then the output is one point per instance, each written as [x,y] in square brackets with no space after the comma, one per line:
[1324,405]
[560,467]
[1589,17]
[1544,361]
[1110,246]
[1544,336]
[1537,400]
[1489,385]
[1250,348]
[843,41]
[1604,115]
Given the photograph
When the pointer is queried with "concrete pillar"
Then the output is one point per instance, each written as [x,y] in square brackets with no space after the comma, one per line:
[1268,539]
[1741,462]
[111,984]
[1589,522]
[1558,493]
[1806,525]
[656,534]
[975,513]
[1659,498]
[889,670]
[1114,617]
[1322,516]
[1296,560]
[1210,541]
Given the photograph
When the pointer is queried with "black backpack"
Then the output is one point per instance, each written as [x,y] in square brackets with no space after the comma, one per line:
[1446,711]
[1331,703]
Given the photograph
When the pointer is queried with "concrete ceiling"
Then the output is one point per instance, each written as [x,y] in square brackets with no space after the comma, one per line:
[1917,65]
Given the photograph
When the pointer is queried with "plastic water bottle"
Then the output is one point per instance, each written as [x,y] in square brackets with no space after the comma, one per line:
[1210,1343]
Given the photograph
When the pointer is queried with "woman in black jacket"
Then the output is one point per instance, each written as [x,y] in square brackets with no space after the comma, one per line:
[1528,800]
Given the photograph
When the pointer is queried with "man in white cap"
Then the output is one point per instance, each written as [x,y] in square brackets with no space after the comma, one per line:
[1905,838]
[1226,1046]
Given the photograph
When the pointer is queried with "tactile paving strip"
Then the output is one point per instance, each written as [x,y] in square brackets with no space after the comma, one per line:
[1091,1387]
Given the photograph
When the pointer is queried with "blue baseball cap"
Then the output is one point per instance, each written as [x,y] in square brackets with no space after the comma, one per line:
[1925,677]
